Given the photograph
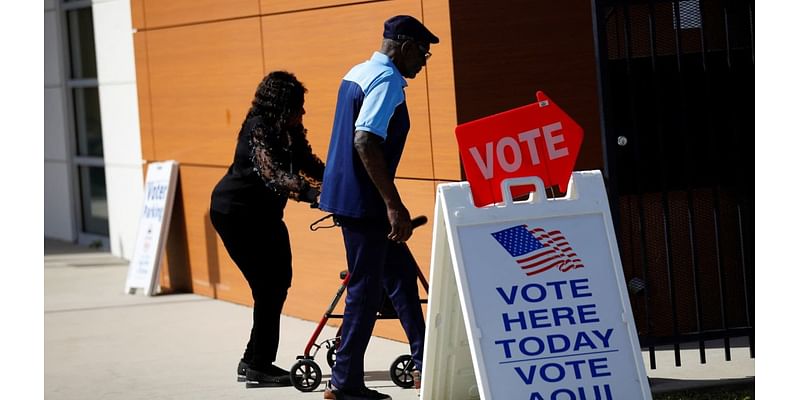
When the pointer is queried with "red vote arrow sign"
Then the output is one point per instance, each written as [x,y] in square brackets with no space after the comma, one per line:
[538,139]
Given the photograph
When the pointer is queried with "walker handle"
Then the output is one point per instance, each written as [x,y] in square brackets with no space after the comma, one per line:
[415,223]
[419,221]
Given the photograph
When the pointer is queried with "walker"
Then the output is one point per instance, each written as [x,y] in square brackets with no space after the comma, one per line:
[306,374]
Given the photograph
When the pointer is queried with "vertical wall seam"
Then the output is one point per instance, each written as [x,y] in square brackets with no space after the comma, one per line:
[428,99]
[152,133]
[261,39]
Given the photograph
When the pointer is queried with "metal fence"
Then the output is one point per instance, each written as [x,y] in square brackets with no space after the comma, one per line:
[677,88]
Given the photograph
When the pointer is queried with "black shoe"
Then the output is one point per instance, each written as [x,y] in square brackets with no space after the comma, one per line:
[241,371]
[332,393]
[272,376]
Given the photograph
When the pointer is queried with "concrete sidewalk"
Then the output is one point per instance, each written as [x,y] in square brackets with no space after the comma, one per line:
[100,343]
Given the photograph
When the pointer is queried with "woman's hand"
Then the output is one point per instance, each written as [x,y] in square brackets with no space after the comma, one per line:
[310,196]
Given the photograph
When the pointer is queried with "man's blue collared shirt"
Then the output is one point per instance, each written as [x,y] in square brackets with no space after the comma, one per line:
[372,99]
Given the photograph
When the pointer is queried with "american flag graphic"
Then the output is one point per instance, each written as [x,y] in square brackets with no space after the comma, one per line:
[537,250]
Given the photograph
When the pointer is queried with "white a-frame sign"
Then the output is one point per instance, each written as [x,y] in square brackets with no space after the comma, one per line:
[527,300]
[144,268]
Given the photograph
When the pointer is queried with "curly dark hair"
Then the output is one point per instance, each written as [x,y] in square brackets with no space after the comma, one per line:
[279,97]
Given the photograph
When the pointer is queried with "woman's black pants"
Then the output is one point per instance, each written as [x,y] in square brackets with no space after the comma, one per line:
[259,245]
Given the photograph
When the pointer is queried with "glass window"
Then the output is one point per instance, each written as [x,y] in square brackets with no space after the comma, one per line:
[88,130]
[94,203]
[80,30]
[83,86]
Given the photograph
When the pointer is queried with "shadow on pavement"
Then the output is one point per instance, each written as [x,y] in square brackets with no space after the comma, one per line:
[54,247]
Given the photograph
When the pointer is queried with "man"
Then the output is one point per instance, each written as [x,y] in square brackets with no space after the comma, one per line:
[369,131]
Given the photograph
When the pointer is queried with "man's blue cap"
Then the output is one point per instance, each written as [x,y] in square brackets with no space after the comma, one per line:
[402,27]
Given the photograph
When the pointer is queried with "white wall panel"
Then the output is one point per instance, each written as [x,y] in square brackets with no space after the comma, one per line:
[58,222]
[124,188]
[113,34]
[55,129]
[52,48]
[120,118]
[119,115]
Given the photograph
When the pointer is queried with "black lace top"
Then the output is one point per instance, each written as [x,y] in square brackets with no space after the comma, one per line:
[268,168]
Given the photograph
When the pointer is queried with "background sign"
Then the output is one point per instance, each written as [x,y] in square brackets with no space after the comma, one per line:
[154,221]
[541,292]
[538,139]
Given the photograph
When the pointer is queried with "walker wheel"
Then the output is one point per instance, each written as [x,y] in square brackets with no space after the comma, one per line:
[400,371]
[305,375]
[330,356]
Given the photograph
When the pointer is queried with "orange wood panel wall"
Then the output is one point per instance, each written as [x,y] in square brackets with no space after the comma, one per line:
[149,14]
[137,15]
[197,70]
[281,6]
[441,93]
[143,88]
[202,78]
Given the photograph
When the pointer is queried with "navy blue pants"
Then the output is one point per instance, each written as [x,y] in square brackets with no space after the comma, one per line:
[375,264]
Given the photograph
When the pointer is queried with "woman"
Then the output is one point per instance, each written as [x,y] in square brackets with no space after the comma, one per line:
[273,162]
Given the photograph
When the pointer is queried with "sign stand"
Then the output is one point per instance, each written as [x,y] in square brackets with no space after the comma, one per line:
[527,299]
[145,265]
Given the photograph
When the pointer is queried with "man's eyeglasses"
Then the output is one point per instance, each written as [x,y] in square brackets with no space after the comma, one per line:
[422,50]
[425,53]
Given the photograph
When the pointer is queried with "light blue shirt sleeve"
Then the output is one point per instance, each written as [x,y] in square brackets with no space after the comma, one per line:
[380,101]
